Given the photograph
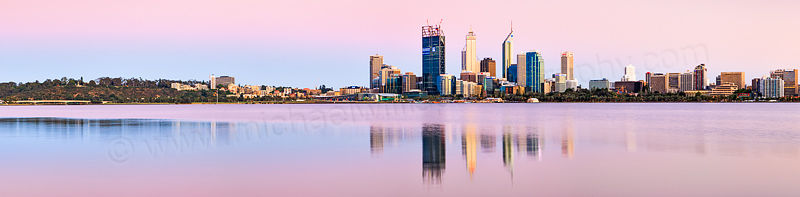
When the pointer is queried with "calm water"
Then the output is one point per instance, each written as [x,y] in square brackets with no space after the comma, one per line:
[401,150]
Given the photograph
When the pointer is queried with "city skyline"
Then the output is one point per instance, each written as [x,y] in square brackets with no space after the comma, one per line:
[145,39]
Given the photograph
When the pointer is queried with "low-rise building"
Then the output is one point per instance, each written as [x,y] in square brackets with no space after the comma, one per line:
[599,84]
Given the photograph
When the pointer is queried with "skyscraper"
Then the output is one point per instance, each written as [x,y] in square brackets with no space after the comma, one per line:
[508,48]
[567,64]
[700,79]
[789,77]
[630,73]
[433,57]
[212,82]
[686,81]
[736,78]
[530,70]
[471,56]
[409,81]
[445,83]
[375,65]
[488,65]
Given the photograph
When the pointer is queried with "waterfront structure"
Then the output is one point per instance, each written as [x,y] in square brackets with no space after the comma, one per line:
[737,78]
[789,77]
[630,73]
[375,65]
[686,81]
[567,60]
[433,57]
[351,90]
[466,88]
[508,48]
[470,53]
[629,86]
[488,65]
[409,81]
[445,84]
[658,83]
[489,84]
[599,84]
[724,89]
[769,87]
[700,77]
[530,71]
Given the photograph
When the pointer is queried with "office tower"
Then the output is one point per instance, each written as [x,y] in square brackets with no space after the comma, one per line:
[647,81]
[754,86]
[561,82]
[390,80]
[512,73]
[433,153]
[409,81]
[470,52]
[567,64]
[789,79]
[508,48]
[521,70]
[771,87]
[464,58]
[212,82]
[629,86]
[599,84]
[469,76]
[630,73]
[433,57]
[686,81]
[737,78]
[572,84]
[674,82]
[375,65]
[530,71]
[700,79]
[488,65]
[489,84]
[659,83]
[445,84]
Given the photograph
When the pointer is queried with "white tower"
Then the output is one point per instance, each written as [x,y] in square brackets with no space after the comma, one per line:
[630,73]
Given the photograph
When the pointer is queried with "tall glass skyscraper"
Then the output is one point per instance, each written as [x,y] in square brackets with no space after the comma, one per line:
[508,47]
[432,57]
[534,71]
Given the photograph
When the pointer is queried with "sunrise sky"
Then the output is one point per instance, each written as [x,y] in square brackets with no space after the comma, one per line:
[303,43]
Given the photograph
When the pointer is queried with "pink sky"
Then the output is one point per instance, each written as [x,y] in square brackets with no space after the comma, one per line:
[297,42]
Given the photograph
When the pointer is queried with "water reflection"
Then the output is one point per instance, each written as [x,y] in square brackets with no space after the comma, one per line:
[433,153]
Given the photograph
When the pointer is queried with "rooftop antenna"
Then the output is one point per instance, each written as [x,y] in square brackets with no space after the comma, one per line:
[427,23]
[512,25]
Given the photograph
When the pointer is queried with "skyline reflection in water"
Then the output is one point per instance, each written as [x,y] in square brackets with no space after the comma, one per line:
[586,151]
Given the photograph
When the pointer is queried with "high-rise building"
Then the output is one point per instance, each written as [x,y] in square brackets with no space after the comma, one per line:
[599,84]
[390,80]
[521,70]
[659,83]
[629,86]
[674,80]
[700,78]
[508,48]
[530,71]
[789,77]
[224,80]
[567,60]
[737,78]
[512,73]
[686,81]
[488,65]
[771,87]
[630,73]
[471,55]
[469,76]
[572,84]
[433,57]
[409,81]
[445,84]
[560,82]
[212,81]
[375,65]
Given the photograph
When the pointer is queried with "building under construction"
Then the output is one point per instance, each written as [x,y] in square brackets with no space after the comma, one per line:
[432,57]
